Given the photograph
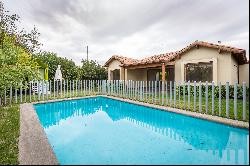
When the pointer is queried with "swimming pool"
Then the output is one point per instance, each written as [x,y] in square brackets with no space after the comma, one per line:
[101,130]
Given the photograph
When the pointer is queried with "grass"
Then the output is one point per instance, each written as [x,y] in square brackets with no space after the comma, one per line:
[9,134]
[180,105]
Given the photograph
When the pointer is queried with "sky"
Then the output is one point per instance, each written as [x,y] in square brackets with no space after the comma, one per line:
[132,28]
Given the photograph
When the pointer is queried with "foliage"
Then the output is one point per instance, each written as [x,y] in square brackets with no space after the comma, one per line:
[216,91]
[16,64]
[91,70]
[27,40]
[68,67]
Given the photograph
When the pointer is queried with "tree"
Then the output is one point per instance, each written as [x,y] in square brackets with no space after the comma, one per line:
[68,67]
[16,61]
[16,64]
[27,40]
[91,70]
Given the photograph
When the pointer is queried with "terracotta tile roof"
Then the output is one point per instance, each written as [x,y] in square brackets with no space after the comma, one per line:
[122,59]
[237,52]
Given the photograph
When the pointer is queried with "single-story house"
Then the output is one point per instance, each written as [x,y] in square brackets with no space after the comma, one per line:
[199,61]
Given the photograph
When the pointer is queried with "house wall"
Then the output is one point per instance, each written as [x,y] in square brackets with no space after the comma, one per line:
[234,71]
[137,74]
[112,66]
[222,64]
[244,74]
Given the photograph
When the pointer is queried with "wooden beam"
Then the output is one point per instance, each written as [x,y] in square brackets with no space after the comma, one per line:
[144,66]
[149,65]
[163,70]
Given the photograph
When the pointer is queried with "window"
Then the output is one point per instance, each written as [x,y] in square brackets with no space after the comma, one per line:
[202,71]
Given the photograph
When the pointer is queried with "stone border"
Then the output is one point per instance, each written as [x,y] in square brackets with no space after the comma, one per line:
[34,147]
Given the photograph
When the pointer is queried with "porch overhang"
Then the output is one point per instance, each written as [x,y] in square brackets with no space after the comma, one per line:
[150,65]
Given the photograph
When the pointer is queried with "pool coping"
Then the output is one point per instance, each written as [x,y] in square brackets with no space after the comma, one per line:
[35,149]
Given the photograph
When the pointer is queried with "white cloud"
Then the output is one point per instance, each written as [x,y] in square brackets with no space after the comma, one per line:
[132,28]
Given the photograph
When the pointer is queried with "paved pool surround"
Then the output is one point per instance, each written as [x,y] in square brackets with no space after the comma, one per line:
[34,148]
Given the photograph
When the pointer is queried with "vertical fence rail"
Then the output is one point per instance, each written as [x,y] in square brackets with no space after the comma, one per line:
[219,98]
[244,101]
[200,98]
[184,95]
[166,93]
[235,100]
[188,95]
[170,93]
[212,97]
[194,96]
[227,99]
[206,97]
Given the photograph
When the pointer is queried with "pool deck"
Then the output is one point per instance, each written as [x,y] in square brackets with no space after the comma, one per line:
[34,147]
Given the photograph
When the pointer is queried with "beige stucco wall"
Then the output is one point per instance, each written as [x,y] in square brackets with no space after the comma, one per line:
[222,64]
[234,71]
[244,74]
[112,66]
[137,74]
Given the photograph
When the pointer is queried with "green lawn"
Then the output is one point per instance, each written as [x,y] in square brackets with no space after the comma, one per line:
[180,105]
[9,133]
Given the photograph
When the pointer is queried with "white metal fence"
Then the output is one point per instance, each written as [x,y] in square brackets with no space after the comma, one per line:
[221,100]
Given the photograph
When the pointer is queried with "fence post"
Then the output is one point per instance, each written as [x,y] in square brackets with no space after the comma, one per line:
[30,91]
[212,97]
[61,87]
[143,91]
[170,89]
[10,93]
[42,91]
[70,88]
[159,91]
[200,97]
[179,93]
[47,85]
[155,99]
[25,92]
[188,95]
[54,88]
[227,99]
[15,94]
[206,97]
[184,95]
[149,91]
[174,94]
[166,93]
[219,98]
[162,93]
[57,87]
[194,96]
[244,100]
[64,88]
[235,100]
[5,102]
[50,89]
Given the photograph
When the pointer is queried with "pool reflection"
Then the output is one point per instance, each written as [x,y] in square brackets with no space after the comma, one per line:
[230,144]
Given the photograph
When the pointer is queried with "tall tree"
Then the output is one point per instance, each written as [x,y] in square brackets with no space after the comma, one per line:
[92,70]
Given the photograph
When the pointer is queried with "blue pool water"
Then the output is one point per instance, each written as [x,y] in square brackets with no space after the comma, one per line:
[106,131]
